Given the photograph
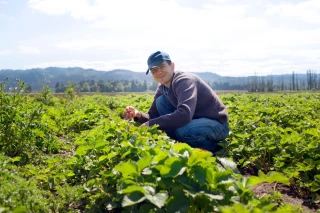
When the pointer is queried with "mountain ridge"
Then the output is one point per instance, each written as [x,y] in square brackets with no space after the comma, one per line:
[36,77]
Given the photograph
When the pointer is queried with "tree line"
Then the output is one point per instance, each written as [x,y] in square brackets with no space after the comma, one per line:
[109,86]
[293,82]
[253,84]
[268,84]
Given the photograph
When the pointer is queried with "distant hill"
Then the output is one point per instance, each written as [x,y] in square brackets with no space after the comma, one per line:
[37,77]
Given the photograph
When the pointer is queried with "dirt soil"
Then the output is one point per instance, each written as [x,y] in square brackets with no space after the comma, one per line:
[289,195]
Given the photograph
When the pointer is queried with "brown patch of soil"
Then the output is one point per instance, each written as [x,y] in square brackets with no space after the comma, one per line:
[248,171]
[289,195]
[66,153]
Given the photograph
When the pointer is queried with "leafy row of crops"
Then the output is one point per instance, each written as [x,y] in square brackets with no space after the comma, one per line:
[278,133]
[76,154]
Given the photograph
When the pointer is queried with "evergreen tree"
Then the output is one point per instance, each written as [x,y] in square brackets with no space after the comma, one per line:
[28,88]
[145,86]
[133,86]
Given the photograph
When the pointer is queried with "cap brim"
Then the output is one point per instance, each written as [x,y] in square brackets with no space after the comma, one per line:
[155,64]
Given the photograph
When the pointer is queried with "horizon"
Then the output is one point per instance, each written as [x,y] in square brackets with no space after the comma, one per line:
[150,75]
[235,39]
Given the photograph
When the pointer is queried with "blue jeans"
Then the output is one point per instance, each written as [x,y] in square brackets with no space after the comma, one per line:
[202,133]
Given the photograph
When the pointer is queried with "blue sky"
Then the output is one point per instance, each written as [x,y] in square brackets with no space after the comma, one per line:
[227,37]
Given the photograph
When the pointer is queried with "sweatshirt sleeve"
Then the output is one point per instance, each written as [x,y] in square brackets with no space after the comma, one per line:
[152,113]
[186,92]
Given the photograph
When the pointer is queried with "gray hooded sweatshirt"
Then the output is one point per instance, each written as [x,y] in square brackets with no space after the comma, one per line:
[191,97]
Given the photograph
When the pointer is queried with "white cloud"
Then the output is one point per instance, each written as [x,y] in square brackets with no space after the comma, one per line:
[214,35]
[98,65]
[21,50]
[101,44]
[4,16]
[274,66]
[6,52]
[180,27]
[54,7]
[308,11]
[28,50]
[124,14]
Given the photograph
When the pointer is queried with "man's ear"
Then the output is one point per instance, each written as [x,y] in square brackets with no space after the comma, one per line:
[172,65]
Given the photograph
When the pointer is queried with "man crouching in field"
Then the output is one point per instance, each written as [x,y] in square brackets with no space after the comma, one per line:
[184,106]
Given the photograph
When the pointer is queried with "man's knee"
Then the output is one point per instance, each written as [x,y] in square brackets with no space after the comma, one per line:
[196,138]
[186,134]
[203,129]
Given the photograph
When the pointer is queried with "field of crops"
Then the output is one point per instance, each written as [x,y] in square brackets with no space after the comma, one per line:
[76,154]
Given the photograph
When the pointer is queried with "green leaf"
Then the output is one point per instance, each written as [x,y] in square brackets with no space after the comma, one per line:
[277,177]
[101,158]
[109,135]
[166,183]
[178,203]
[222,177]
[2,209]
[240,135]
[20,209]
[211,196]
[106,149]
[262,175]
[254,180]
[82,150]
[126,153]
[203,175]
[173,167]
[180,147]
[198,156]
[70,174]
[312,131]
[315,186]
[236,208]
[149,190]
[159,157]
[143,163]
[100,144]
[214,197]
[18,158]
[112,154]
[229,164]
[158,199]
[127,168]
[147,208]
[42,177]
[132,198]
[133,188]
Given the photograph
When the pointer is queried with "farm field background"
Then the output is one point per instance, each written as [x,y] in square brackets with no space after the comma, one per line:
[77,154]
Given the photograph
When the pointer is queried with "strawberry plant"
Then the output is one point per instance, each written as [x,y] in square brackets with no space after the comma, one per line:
[76,153]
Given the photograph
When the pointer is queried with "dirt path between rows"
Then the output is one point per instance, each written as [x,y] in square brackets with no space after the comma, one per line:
[288,195]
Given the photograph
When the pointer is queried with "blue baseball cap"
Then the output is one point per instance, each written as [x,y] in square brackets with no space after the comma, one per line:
[156,59]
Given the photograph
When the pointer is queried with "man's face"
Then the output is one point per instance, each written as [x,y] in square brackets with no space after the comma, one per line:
[163,73]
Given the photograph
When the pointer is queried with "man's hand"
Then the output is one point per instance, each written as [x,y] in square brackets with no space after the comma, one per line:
[131,112]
